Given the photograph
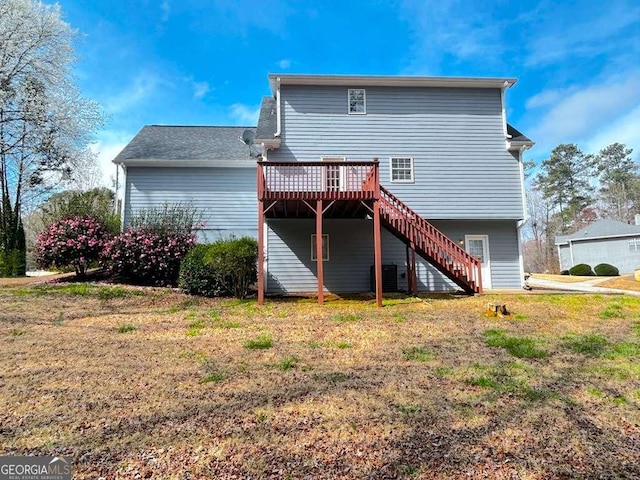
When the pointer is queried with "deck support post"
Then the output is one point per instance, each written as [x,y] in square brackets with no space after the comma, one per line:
[260,252]
[320,266]
[377,251]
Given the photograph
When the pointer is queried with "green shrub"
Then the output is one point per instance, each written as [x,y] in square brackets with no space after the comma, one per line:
[196,277]
[564,272]
[234,263]
[581,270]
[226,267]
[606,270]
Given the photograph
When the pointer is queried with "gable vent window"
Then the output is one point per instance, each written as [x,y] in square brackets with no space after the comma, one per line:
[401,169]
[634,245]
[357,101]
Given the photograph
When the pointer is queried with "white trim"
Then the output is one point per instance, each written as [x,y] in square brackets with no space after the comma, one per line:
[486,279]
[278,118]
[123,205]
[621,235]
[504,117]
[520,256]
[364,101]
[265,262]
[571,254]
[158,162]
[314,247]
[388,81]
[403,157]
[523,192]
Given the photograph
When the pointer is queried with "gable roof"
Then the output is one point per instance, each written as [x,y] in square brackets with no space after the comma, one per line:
[600,229]
[182,145]
[267,121]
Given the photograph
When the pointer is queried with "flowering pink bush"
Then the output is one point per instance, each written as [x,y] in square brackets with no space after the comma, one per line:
[147,256]
[75,242]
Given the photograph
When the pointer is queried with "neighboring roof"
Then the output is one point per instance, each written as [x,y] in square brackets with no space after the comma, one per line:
[601,229]
[165,144]
[387,81]
[267,122]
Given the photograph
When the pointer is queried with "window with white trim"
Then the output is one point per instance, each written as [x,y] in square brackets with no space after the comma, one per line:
[401,169]
[325,247]
[357,101]
[634,245]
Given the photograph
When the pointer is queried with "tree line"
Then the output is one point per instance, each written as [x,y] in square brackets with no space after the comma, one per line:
[571,189]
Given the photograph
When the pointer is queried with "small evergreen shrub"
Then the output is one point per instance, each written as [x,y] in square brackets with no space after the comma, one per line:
[581,270]
[234,263]
[564,272]
[196,277]
[146,256]
[75,242]
[606,270]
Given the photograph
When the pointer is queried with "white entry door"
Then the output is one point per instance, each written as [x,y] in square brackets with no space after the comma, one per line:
[478,246]
[334,174]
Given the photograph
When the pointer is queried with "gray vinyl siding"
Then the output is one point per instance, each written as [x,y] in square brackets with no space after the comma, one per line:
[225,197]
[504,254]
[291,270]
[462,169]
[614,251]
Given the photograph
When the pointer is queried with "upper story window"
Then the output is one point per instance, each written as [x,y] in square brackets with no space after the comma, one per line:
[401,169]
[357,101]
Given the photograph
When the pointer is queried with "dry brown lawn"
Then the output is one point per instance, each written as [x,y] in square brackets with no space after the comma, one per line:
[624,282]
[563,278]
[153,384]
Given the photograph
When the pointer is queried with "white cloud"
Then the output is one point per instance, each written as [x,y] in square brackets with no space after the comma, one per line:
[142,87]
[590,116]
[284,63]
[108,145]
[244,114]
[200,89]
[166,10]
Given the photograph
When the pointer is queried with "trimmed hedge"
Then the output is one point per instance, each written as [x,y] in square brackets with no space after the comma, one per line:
[606,270]
[226,267]
[581,270]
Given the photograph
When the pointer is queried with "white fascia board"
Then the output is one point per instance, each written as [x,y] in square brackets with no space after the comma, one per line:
[388,81]
[601,237]
[153,162]
[269,143]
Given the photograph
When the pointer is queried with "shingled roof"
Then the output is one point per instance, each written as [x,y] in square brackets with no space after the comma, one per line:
[170,143]
[601,229]
[267,122]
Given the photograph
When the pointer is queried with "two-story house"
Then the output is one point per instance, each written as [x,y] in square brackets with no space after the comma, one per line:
[354,183]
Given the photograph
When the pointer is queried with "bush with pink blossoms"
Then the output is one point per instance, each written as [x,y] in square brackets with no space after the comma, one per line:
[147,256]
[75,242]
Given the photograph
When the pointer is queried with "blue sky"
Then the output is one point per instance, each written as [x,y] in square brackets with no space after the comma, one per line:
[198,62]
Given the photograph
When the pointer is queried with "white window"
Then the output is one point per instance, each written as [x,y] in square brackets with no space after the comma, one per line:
[357,101]
[634,245]
[401,169]
[325,247]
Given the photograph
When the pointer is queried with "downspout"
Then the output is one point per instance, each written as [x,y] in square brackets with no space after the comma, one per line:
[525,218]
[278,113]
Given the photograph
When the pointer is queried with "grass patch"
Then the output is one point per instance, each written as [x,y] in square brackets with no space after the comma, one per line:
[510,378]
[399,318]
[418,354]
[342,344]
[346,318]
[212,373]
[314,344]
[287,363]
[261,342]
[592,345]
[624,349]
[613,310]
[521,347]
[19,332]
[196,327]
[408,409]
[519,316]
[636,327]
[227,324]
[183,306]
[126,328]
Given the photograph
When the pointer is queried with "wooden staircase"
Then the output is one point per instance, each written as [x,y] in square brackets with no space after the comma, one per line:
[430,243]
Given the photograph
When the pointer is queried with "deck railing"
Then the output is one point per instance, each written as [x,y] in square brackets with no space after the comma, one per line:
[318,180]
